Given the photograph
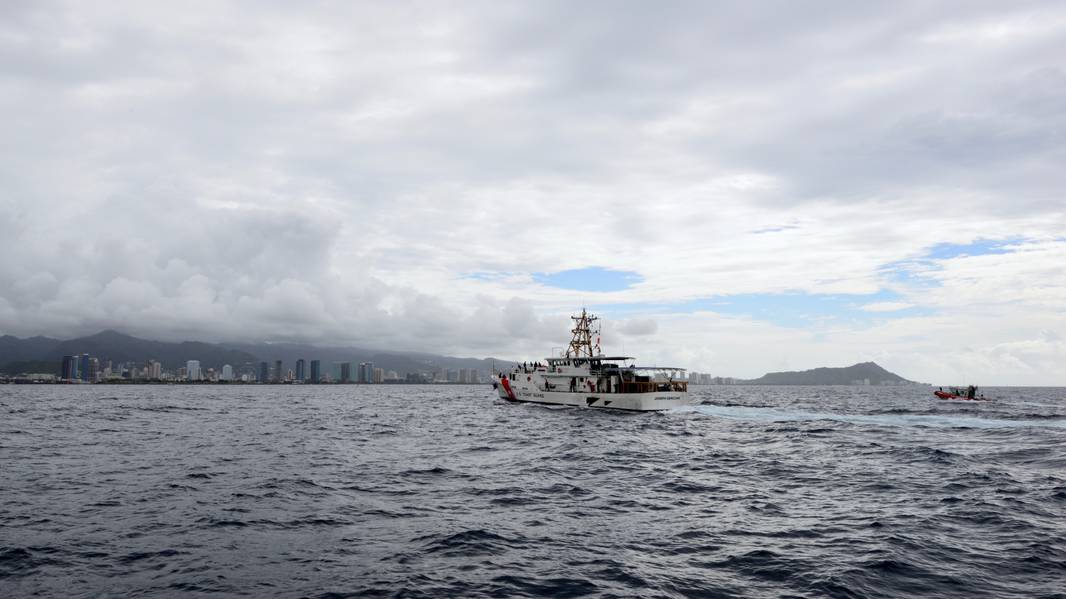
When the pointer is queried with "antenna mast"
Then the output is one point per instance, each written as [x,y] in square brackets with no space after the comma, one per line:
[582,345]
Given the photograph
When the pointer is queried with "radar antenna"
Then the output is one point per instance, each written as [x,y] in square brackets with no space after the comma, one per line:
[582,346]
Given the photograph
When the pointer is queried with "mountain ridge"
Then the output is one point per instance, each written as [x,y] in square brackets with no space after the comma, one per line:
[846,375]
[16,353]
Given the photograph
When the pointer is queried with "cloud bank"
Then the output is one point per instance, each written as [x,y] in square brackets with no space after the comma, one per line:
[785,185]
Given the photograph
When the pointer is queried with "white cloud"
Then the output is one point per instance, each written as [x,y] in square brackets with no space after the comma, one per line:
[638,327]
[333,174]
[886,306]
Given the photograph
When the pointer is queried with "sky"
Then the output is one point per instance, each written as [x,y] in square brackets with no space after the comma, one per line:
[734,187]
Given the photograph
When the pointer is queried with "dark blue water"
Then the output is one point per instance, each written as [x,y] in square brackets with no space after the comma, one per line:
[417,491]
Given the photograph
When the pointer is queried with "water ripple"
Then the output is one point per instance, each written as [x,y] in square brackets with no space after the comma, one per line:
[425,491]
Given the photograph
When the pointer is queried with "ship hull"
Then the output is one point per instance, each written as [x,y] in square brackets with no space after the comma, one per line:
[634,402]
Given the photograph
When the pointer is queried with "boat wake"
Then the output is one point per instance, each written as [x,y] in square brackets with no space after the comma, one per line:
[759,414]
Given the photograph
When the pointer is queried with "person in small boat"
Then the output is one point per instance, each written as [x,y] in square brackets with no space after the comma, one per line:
[970,391]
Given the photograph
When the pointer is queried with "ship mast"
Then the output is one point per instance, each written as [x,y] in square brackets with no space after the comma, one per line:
[581,346]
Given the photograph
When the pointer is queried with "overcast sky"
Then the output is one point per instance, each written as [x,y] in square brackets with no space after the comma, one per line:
[735,188]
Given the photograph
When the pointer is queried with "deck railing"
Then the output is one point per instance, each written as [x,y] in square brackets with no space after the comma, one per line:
[633,387]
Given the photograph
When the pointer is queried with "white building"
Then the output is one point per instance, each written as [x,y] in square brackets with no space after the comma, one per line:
[227,372]
[468,376]
[192,370]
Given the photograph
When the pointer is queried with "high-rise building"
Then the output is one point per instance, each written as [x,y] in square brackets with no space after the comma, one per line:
[70,368]
[346,372]
[379,375]
[301,370]
[366,372]
[155,370]
[83,367]
[264,372]
[227,372]
[316,371]
[192,370]
[279,375]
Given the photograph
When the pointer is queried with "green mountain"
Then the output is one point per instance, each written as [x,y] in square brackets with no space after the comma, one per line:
[850,375]
[13,349]
[42,354]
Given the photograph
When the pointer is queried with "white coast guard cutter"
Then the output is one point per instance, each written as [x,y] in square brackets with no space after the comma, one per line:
[584,377]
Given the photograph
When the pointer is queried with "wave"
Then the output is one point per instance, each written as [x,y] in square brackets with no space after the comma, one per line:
[758,414]
[801,493]
[470,542]
[208,522]
[137,556]
[531,586]
[23,561]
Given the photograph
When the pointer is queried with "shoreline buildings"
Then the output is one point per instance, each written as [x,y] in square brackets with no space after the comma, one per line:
[192,370]
[85,368]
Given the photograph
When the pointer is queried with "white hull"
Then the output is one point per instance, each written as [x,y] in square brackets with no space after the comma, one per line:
[639,402]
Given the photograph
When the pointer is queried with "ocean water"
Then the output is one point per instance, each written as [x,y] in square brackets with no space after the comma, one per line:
[433,491]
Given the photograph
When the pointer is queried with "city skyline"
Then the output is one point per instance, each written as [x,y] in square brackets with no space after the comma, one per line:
[343,371]
[86,368]
[733,188]
[76,368]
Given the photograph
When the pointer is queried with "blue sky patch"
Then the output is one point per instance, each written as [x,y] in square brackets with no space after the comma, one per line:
[910,272]
[981,247]
[593,278]
[484,275]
